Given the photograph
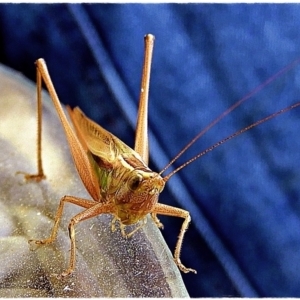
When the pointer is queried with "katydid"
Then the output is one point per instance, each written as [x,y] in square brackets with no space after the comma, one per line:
[117,177]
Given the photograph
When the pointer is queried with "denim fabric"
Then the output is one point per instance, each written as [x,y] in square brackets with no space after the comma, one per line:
[244,238]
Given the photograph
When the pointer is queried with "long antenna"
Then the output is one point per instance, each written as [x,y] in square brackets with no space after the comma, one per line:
[230,109]
[166,178]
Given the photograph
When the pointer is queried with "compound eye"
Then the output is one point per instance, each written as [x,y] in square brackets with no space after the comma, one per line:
[135,181]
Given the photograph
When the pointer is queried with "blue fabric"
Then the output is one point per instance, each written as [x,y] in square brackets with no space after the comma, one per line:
[244,239]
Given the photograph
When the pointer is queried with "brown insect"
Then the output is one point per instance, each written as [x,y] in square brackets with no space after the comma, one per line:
[116,176]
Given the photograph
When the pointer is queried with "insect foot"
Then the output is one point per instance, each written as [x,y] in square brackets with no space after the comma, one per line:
[157,221]
[62,275]
[182,267]
[32,245]
[35,243]
[32,177]
[123,227]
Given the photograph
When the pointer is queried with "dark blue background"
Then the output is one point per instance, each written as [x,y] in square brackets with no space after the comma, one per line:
[243,197]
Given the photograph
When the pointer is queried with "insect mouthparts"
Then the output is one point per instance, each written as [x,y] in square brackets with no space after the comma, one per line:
[154,191]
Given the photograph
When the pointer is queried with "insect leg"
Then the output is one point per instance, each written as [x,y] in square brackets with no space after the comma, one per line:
[77,201]
[122,227]
[176,212]
[90,212]
[157,221]
[130,234]
[40,172]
